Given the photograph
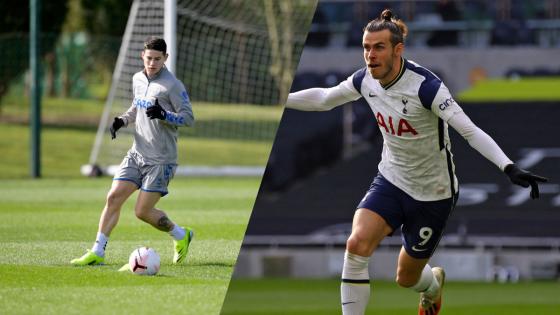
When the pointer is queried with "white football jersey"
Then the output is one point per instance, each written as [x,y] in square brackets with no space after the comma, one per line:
[412,113]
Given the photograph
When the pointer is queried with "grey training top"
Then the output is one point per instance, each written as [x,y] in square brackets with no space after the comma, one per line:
[155,141]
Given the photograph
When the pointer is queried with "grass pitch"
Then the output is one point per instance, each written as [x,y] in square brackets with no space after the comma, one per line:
[64,150]
[321,297]
[46,223]
[223,135]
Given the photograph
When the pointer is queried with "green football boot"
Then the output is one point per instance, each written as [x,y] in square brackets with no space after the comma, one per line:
[182,246]
[88,259]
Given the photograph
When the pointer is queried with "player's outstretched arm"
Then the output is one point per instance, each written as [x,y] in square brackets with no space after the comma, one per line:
[525,178]
[321,99]
[484,144]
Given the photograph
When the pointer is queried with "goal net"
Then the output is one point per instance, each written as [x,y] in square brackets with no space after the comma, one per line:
[236,59]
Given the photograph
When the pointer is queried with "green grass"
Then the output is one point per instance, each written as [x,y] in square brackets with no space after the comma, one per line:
[223,135]
[55,109]
[64,150]
[523,89]
[89,110]
[46,223]
[321,297]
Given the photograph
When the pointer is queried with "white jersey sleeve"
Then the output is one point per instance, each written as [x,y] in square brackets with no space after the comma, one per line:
[445,107]
[479,140]
[323,99]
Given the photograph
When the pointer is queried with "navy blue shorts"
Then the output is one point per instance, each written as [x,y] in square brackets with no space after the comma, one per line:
[422,222]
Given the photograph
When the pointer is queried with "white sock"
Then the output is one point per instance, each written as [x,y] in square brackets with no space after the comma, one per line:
[427,283]
[177,232]
[100,244]
[354,289]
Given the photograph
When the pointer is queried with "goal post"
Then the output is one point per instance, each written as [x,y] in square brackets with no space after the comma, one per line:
[236,59]
[170,32]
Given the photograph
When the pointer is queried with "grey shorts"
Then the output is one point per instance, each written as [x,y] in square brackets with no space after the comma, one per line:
[151,178]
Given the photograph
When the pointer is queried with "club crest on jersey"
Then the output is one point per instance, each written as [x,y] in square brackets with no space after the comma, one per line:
[404,100]
[402,127]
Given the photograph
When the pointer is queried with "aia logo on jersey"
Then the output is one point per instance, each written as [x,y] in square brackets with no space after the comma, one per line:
[402,127]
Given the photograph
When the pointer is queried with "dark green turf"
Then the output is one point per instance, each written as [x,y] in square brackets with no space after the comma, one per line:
[321,297]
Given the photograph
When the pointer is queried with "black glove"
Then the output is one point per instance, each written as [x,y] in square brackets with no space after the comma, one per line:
[156,111]
[524,178]
[117,124]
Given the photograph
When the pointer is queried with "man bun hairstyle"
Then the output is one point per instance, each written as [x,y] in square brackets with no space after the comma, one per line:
[155,43]
[388,21]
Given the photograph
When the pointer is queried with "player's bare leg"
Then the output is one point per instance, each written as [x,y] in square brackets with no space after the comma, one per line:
[146,211]
[118,194]
[409,269]
[418,275]
[368,230]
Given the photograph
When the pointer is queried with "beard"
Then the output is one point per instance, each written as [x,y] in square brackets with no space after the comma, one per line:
[387,69]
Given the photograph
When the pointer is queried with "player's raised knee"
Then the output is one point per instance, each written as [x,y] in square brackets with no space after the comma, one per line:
[358,245]
[140,213]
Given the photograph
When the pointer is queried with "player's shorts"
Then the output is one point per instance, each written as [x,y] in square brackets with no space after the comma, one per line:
[151,178]
[422,222]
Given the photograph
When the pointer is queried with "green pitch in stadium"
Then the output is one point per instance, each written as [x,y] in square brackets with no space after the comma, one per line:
[416,188]
[161,105]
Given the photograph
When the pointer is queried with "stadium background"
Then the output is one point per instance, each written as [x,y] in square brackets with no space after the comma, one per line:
[500,60]
[226,59]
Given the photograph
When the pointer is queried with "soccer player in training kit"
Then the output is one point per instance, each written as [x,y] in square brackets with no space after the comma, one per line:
[416,188]
[161,105]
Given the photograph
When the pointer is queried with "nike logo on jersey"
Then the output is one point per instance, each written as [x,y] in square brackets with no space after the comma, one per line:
[372,95]
[418,249]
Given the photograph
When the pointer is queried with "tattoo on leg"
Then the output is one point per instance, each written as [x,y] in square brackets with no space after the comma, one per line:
[164,222]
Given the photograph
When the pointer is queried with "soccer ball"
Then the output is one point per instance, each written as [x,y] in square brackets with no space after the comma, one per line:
[144,261]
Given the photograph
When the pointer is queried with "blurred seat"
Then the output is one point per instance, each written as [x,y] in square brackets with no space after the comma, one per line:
[306,80]
[516,72]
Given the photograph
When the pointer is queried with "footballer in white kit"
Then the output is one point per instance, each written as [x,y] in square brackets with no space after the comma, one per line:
[416,188]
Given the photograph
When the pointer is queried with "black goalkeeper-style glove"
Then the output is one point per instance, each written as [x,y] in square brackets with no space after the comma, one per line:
[156,111]
[117,124]
[524,178]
